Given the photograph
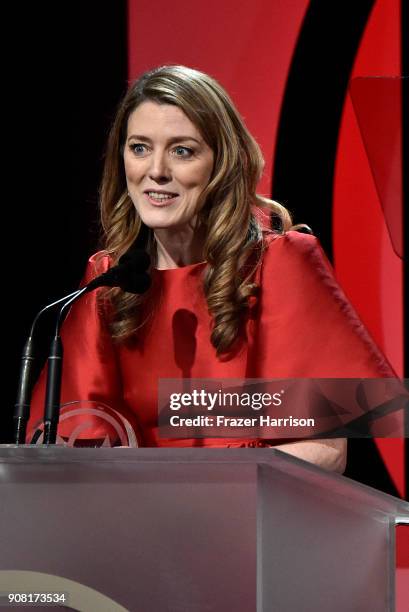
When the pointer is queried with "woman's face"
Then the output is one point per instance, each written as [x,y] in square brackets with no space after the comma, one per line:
[167,165]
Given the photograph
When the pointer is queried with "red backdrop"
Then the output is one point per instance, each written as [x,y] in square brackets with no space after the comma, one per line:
[248,47]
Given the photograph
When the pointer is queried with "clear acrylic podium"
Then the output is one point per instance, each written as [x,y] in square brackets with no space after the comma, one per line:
[194,530]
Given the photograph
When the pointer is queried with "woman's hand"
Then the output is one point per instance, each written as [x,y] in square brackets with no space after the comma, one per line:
[330,454]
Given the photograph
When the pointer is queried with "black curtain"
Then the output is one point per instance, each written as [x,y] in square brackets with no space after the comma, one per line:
[67,70]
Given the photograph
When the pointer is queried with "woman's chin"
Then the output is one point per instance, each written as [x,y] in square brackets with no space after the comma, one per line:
[161,220]
[158,220]
[159,225]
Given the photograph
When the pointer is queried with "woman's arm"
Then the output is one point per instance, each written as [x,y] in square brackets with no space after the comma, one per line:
[329,454]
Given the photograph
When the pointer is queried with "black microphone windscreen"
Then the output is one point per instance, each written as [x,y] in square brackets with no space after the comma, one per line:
[129,274]
[138,283]
[139,257]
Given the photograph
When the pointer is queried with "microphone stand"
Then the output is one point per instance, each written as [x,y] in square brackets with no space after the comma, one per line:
[123,275]
[53,391]
[131,277]
[26,380]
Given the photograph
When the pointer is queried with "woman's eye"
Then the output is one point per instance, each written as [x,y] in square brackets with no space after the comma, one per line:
[138,148]
[183,152]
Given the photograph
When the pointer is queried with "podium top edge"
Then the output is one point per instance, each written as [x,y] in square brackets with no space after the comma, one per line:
[269,463]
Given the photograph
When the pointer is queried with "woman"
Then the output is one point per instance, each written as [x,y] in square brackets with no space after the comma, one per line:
[230,298]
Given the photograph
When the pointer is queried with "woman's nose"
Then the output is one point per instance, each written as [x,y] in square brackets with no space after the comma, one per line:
[159,170]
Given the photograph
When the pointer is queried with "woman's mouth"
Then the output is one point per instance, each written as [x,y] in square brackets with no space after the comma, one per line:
[160,198]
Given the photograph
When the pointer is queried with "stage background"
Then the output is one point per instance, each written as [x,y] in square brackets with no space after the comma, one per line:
[287,65]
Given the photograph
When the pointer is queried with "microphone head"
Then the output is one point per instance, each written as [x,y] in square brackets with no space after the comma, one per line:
[132,266]
[129,274]
[136,283]
[137,256]
[128,277]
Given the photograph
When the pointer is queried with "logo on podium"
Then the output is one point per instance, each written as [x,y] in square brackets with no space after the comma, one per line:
[89,423]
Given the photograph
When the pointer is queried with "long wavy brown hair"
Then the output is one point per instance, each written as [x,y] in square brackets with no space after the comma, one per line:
[234,243]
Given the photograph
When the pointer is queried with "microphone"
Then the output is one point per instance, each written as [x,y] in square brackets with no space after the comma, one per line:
[26,379]
[129,274]
[125,275]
